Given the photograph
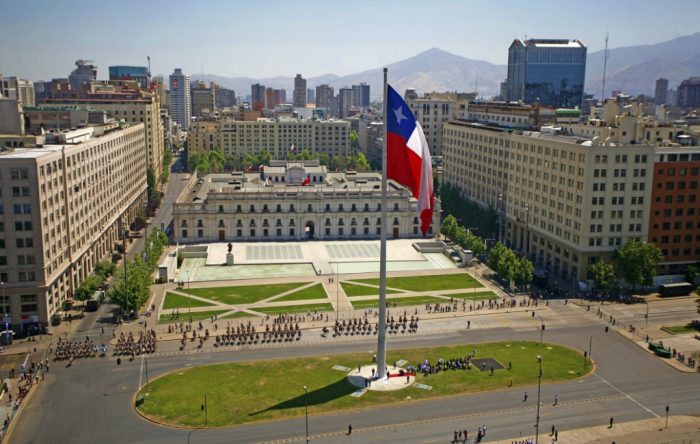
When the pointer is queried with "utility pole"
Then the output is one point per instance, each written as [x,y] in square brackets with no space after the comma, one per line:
[539,386]
[306,411]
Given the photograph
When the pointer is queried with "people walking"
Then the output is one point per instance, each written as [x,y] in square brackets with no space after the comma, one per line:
[349,429]
[525,397]
[556,399]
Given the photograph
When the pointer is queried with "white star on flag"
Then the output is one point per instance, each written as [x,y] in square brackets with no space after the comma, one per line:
[399,115]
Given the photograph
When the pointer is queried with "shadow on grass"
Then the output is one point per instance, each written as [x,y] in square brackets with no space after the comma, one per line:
[338,389]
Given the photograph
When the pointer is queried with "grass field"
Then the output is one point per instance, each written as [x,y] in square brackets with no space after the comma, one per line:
[314,292]
[294,308]
[173,300]
[351,290]
[185,316]
[398,302]
[427,283]
[680,329]
[244,294]
[254,391]
[476,296]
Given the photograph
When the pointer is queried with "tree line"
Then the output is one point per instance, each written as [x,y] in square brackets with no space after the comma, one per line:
[216,161]
[635,262]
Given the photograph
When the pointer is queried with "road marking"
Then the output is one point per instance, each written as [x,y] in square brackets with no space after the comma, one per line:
[626,396]
[141,372]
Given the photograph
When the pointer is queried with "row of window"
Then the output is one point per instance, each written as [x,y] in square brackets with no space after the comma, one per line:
[279,232]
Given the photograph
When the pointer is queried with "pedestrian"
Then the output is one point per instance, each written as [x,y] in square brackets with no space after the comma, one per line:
[349,429]
[510,365]
[556,435]
[483,430]
[556,399]
[552,430]
[466,434]
[525,397]
[455,437]
[611,422]
[408,378]
[469,324]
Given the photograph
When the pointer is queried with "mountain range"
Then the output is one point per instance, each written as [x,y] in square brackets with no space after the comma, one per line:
[632,69]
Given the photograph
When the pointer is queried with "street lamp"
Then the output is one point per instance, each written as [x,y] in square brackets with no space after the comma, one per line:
[539,386]
[590,344]
[646,315]
[542,322]
[306,411]
[337,296]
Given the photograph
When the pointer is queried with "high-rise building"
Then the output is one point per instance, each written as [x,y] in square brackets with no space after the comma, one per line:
[550,71]
[299,99]
[661,91]
[345,102]
[71,195]
[18,89]
[324,98]
[180,99]
[225,98]
[361,95]
[84,74]
[257,97]
[137,73]
[310,95]
[272,98]
[203,99]
[688,95]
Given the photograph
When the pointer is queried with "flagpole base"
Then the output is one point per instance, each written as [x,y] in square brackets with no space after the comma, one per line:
[365,378]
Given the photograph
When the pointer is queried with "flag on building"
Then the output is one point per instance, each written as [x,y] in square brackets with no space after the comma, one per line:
[408,157]
[307,180]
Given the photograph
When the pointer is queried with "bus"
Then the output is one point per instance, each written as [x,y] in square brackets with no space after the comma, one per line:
[94,302]
[677,289]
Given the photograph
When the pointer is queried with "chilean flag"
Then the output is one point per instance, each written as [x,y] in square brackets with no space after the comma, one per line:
[408,157]
[307,180]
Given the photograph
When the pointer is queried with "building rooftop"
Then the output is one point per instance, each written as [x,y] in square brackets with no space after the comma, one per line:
[554,43]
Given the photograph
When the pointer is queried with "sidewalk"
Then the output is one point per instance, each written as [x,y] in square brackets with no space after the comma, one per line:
[681,429]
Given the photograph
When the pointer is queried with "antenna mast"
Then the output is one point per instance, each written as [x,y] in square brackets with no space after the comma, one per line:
[605,65]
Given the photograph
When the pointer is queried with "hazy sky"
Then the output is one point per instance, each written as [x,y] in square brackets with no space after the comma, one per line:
[41,39]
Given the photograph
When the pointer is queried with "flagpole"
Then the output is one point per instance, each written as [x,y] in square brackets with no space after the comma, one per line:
[381,335]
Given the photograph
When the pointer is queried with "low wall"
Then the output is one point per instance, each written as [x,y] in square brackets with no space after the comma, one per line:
[194,251]
[429,247]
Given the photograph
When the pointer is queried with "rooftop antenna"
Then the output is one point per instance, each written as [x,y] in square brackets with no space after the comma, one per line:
[605,65]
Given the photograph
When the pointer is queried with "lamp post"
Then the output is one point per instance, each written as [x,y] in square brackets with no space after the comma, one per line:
[646,315]
[539,386]
[306,411]
[337,295]
[542,325]
[590,344]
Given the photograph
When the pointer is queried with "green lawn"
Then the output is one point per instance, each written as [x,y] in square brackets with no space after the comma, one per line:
[362,290]
[238,314]
[254,391]
[173,300]
[428,283]
[244,294]
[398,302]
[476,296]
[185,316]
[314,292]
[680,329]
[295,308]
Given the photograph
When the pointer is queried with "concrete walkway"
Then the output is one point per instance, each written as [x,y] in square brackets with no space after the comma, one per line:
[681,429]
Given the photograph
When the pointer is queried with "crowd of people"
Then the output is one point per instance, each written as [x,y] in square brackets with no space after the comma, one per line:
[362,326]
[128,345]
[454,305]
[463,435]
[70,350]
[428,368]
[281,331]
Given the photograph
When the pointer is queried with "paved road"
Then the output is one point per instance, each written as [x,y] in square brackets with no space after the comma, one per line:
[91,401]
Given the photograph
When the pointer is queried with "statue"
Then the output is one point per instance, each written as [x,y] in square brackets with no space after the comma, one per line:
[230,246]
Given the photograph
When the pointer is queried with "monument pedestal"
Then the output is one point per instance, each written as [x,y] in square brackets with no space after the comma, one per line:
[229,259]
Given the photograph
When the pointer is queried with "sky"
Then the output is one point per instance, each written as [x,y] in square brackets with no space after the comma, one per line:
[41,39]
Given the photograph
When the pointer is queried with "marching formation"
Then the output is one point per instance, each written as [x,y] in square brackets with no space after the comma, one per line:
[127,345]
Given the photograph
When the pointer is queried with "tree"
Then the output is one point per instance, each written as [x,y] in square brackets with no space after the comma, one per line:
[449,226]
[523,271]
[361,163]
[495,256]
[603,275]
[150,180]
[693,273]
[217,160]
[354,140]
[636,262]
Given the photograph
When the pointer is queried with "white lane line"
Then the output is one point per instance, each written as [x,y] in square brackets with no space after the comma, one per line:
[141,372]
[626,395]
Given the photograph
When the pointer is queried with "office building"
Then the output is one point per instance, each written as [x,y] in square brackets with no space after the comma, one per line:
[661,91]
[299,95]
[550,71]
[432,110]
[361,95]
[273,98]
[203,99]
[257,94]
[68,197]
[310,95]
[324,99]
[225,98]
[180,99]
[18,89]
[139,74]
[345,102]
[277,136]
[688,94]
[123,102]
[83,75]
[275,205]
